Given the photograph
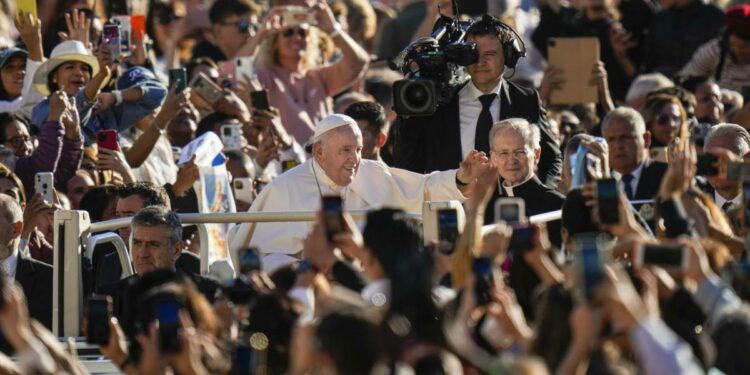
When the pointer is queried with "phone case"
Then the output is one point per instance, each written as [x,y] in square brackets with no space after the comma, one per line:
[208,90]
[231,136]
[298,15]
[125,31]
[178,74]
[107,139]
[112,35]
[44,184]
[27,6]
[510,201]
[138,25]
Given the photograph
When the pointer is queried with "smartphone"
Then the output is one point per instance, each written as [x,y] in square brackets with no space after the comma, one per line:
[607,195]
[670,257]
[112,36]
[249,260]
[44,184]
[243,189]
[178,77]
[228,73]
[168,315]
[27,6]
[590,265]
[243,359]
[660,154]
[288,164]
[244,68]
[259,100]
[107,139]
[125,31]
[295,15]
[483,280]
[138,26]
[231,136]
[510,210]
[333,218]
[521,240]
[206,88]
[99,313]
[707,165]
[447,224]
[746,94]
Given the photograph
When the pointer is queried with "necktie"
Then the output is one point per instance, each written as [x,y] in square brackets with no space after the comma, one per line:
[627,180]
[726,206]
[484,124]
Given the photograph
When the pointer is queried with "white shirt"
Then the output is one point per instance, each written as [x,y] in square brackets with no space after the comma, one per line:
[469,108]
[636,173]
[10,264]
[159,166]
[721,200]
[375,185]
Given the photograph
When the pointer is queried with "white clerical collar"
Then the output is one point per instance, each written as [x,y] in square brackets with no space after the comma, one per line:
[509,189]
[471,93]
[10,263]
[322,178]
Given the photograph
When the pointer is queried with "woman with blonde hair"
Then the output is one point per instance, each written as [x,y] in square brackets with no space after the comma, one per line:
[665,118]
[289,67]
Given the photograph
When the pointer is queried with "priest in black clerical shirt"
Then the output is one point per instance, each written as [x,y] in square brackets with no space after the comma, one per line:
[515,149]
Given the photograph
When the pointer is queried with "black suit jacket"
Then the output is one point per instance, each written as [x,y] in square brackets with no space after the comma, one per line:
[35,278]
[433,143]
[109,270]
[538,199]
[650,180]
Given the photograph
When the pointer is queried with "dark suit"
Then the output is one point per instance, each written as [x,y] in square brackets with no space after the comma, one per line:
[433,143]
[109,270]
[35,279]
[538,199]
[650,180]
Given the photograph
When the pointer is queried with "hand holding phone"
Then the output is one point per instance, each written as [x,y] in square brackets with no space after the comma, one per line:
[44,185]
[669,257]
[178,78]
[333,217]
[259,100]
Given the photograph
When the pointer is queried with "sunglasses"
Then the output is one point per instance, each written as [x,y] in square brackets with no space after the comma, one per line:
[244,25]
[666,119]
[288,33]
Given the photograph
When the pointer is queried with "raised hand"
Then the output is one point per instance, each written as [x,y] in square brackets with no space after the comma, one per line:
[57,105]
[30,30]
[78,27]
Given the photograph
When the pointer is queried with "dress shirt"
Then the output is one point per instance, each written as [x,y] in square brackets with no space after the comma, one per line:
[721,200]
[469,108]
[636,173]
[10,263]
[300,189]
[660,350]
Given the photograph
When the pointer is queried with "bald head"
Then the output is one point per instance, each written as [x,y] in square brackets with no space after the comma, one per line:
[10,210]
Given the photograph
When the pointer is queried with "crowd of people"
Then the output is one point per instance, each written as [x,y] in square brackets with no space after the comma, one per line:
[650,276]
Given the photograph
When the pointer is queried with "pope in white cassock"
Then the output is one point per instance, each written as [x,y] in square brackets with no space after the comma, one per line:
[338,168]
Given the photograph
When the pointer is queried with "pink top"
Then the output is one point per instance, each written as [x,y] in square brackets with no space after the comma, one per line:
[303,100]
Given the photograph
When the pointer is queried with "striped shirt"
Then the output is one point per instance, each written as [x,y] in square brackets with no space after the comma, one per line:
[705,61]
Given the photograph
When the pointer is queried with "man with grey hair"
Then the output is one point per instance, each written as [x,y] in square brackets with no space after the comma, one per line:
[628,141]
[515,150]
[727,141]
[337,168]
[34,277]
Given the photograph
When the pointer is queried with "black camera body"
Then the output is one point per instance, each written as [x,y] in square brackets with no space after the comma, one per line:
[435,68]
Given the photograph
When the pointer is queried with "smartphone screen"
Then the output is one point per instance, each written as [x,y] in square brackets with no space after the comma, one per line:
[482,269]
[706,165]
[447,229]
[99,310]
[259,100]
[112,38]
[607,201]
[332,216]
[178,77]
[510,213]
[666,256]
[521,240]
[168,315]
[592,273]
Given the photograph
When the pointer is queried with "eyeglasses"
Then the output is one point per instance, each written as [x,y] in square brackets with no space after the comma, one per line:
[288,33]
[665,119]
[16,142]
[244,25]
[517,154]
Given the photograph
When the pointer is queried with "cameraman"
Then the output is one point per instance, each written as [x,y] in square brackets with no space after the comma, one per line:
[441,141]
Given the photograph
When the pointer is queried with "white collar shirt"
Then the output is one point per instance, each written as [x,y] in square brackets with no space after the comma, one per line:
[469,108]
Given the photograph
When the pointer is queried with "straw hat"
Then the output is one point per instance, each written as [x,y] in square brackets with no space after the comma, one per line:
[71,50]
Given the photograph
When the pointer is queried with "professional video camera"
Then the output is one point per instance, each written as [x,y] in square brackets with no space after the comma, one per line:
[434,67]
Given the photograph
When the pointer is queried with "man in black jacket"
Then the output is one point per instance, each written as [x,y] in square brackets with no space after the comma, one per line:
[35,277]
[441,141]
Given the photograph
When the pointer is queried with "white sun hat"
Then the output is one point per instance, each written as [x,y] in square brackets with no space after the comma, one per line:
[70,50]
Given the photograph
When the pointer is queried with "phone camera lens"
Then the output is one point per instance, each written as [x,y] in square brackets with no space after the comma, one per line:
[44,186]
